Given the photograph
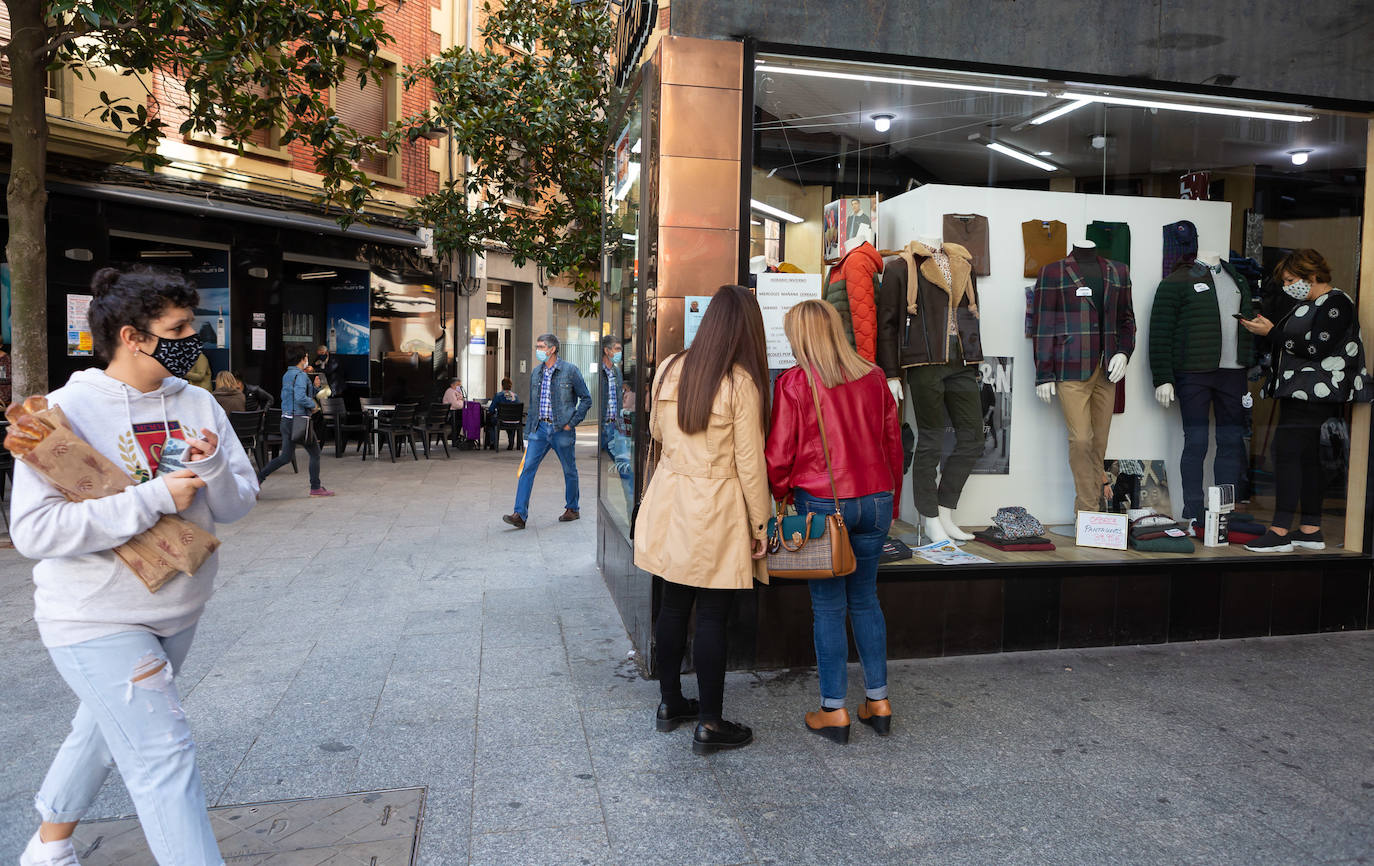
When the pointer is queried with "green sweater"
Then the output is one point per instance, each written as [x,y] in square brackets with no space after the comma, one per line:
[1185,324]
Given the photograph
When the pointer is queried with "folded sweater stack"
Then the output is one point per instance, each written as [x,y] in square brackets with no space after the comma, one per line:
[994,537]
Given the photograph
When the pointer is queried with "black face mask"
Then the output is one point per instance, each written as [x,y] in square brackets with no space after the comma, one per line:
[179,355]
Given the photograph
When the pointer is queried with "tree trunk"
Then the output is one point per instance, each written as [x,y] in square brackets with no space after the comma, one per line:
[27,197]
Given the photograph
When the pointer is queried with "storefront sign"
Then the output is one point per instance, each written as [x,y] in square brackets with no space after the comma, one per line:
[778,293]
[632,29]
[1098,529]
[477,345]
[78,326]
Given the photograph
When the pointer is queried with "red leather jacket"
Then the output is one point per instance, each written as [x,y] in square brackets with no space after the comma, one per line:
[861,425]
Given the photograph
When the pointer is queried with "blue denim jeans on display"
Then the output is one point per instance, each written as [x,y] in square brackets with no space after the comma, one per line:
[140,727]
[867,518]
[537,445]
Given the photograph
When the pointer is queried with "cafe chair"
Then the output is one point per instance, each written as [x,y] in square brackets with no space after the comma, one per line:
[510,417]
[433,425]
[398,426]
[248,426]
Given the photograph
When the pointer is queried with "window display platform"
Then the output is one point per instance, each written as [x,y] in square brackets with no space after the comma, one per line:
[1080,598]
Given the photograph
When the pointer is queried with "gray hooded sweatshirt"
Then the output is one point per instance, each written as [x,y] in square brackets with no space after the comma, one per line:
[83,591]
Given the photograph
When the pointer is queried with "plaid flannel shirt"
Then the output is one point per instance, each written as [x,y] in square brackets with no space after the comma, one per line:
[1068,345]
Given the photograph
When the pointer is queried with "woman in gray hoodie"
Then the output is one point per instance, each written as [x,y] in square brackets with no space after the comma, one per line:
[117,645]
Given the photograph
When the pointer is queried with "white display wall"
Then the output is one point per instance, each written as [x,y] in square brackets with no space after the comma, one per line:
[1039,477]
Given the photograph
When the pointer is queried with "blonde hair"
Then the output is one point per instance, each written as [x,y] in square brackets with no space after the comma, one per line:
[228,380]
[816,335]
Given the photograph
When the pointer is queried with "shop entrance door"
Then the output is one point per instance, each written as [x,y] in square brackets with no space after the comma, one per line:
[498,353]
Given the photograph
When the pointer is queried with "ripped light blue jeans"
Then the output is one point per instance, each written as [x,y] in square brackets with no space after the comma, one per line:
[131,717]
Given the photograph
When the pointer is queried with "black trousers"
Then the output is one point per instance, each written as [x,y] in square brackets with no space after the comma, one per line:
[1299,479]
[708,644]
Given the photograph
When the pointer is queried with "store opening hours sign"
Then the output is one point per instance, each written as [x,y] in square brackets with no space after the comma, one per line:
[778,293]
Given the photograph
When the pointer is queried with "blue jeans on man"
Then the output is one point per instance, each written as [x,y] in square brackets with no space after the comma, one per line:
[538,443]
[867,518]
[621,451]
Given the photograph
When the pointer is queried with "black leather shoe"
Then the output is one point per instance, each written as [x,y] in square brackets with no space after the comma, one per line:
[669,717]
[723,735]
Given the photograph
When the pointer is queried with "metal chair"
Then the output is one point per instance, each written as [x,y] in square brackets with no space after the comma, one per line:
[433,424]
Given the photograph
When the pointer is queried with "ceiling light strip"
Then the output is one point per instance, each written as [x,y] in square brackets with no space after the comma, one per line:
[903,82]
[774,212]
[1059,112]
[1021,155]
[1191,106]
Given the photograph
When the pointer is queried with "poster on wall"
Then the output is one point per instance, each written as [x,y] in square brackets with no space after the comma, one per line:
[691,317]
[994,401]
[210,273]
[1137,484]
[841,220]
[776,294]
[347,330]
[78,325]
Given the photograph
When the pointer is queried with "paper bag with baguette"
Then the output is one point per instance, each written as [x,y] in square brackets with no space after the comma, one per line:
[40,436]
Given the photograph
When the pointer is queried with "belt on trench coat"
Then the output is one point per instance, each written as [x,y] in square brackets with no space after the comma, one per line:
[665,463]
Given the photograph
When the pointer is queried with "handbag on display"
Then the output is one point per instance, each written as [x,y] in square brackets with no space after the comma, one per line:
[811,546]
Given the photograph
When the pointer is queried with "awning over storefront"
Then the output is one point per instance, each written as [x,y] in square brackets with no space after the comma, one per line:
[248,213]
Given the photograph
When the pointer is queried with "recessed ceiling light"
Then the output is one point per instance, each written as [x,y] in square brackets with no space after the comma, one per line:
[883,122]
[1299,157]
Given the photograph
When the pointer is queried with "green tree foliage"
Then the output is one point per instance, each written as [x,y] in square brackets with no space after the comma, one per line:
[531,123]
[247,65]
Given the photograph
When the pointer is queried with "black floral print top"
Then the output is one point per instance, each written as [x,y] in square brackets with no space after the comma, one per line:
[1317,353]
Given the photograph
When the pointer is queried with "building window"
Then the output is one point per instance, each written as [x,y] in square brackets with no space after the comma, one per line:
[370,110]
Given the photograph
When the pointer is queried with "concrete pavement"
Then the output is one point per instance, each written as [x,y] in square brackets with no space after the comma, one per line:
[399,635]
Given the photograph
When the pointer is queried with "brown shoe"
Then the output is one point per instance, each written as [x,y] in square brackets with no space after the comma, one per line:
[514,520]
[877,715]
[569,515]
[831,724]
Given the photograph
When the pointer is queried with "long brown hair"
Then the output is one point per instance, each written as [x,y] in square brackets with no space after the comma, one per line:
[816,335]
[731,332]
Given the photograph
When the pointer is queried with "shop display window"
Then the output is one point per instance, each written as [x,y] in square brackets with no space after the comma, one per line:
[1098,244]
[617,401]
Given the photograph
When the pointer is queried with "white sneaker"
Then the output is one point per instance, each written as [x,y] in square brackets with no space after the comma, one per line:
[40,853]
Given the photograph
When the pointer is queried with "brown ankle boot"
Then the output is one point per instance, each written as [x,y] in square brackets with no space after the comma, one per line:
[877,715]
[831,724]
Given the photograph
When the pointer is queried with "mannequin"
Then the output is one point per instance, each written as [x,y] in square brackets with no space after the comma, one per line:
[1198,356]
[929,335]
[1083,329]
[851,287]
[758,264]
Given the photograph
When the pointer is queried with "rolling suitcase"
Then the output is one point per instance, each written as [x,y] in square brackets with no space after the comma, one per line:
[472,423]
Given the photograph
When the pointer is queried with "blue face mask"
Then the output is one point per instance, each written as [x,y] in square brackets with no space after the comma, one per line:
[541,355]
[615,359]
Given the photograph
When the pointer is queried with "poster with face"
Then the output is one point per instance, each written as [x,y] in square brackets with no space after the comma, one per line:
[842,220]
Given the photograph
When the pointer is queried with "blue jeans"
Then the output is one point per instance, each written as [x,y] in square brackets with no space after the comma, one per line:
[136,723]
[288,450]
[867,518]
[621,451]
[537,445]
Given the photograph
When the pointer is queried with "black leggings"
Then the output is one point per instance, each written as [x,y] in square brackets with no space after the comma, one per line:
[708,644]
[1299,477]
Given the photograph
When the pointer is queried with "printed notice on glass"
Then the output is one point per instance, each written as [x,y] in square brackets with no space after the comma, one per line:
[778,293]
[259,339]
[1099,529]
[78,325]
[691,317]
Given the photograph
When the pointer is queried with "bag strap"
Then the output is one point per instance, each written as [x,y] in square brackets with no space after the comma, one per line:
[825,445]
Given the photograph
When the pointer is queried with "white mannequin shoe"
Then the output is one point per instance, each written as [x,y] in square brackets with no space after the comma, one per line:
[951,528]
[934,529]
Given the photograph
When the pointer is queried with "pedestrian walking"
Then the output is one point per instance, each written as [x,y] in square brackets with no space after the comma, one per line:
[297,405]
[117,645]
[703,521]
[1317,367]
[859,426]
[561,402]
[615,440]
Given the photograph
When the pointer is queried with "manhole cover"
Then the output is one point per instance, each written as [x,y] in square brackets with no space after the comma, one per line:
[374,828]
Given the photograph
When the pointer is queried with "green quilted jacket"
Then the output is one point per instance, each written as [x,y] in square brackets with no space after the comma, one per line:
[1185,325]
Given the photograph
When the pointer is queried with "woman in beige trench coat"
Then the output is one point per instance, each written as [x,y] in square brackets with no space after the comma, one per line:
[703,522]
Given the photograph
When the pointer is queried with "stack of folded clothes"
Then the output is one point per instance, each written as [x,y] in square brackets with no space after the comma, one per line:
[1159,533]
[994,537]
[1243,528]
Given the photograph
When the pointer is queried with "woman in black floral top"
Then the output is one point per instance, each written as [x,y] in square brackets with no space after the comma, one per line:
[1317,367]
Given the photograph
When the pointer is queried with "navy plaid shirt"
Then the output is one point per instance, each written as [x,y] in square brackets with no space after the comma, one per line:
[546,398]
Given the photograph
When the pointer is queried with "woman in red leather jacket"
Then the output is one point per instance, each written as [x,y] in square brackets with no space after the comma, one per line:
[865,440]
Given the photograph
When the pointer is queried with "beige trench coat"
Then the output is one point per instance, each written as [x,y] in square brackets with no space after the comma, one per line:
[708,497]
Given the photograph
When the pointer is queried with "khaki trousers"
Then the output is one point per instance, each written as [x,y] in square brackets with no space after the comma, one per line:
[1087,409]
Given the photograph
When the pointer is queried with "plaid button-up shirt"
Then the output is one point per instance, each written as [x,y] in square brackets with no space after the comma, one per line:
[545,396]
[1068,343]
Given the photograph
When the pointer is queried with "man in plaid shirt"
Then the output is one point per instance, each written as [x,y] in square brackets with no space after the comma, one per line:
[1083,330]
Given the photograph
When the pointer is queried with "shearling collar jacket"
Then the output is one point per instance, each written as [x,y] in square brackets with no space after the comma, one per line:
[914,314]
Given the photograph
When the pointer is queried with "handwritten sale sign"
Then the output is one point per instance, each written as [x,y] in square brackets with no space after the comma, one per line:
[1098,529]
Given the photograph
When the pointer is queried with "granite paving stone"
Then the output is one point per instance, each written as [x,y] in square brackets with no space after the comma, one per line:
[399,636]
